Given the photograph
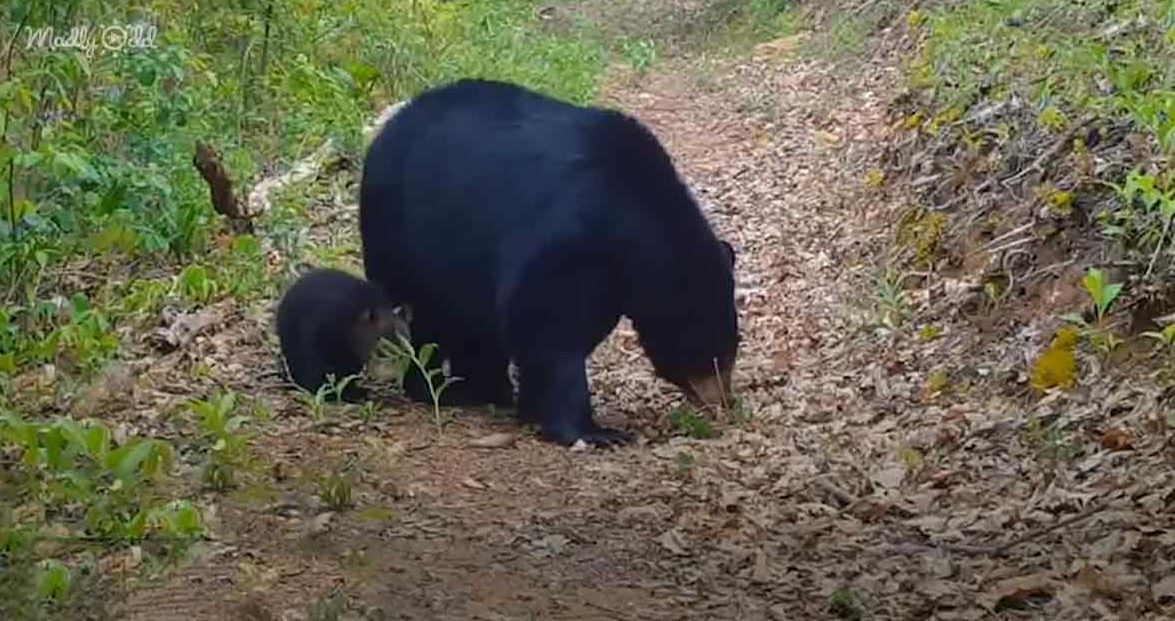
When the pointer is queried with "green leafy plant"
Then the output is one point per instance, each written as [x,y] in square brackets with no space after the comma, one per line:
[435,378]
[1102,296]
[689,422]
[741,411]
[641,53]
[331,391]
[844,604]
[53,581]
[335,490]
[195,283]
[890,303]
[223,436]
[75,480]
[368,411]
[1048,441]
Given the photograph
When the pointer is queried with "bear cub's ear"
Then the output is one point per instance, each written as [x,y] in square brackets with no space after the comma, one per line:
[729,251]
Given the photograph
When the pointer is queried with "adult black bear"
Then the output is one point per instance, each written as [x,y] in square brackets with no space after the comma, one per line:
[521,227]
[328,322]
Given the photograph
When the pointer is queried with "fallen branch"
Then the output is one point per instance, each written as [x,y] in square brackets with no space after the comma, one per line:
[259,201]
[220,188]
[1088,512]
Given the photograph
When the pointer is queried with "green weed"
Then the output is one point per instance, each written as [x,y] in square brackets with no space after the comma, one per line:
[335,490]
[76,486]
[224,438]
[1102,295]
[640,53]
[891,307]
[689,422]
[1165,337]
[435,377]
[331,391]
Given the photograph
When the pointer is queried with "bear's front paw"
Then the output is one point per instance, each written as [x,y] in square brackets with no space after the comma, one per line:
[593,436]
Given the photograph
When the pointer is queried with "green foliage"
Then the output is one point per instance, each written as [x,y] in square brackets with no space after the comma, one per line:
[890,304]
[331,391]
[195,283]
[1166,336]
[1040,47]
[73,484]
[689,422]
[71,335]
[1144,216]
[844,604]
[96,146]
[741,412]
[53,581]
[223,438]
[1073,62]
[640,53]
[335,490]
[435,377]
[104,218]
[1102,295]
[1048,441]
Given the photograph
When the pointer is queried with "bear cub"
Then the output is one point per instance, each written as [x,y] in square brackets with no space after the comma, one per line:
[328,323]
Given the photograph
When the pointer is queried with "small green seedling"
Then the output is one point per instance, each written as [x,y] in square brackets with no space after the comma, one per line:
[420,360]
[741,412]
[890,298]
[844,604]
[368,411]
[53,581]
[689,422]
[335,491]
[222,432]
[1102,296]
[330,390]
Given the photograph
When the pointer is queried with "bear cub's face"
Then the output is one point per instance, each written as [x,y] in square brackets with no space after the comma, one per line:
[377,321]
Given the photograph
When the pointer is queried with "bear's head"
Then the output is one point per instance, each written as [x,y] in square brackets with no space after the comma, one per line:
[693,339]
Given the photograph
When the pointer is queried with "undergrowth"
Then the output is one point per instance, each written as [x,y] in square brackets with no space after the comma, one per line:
[107,230]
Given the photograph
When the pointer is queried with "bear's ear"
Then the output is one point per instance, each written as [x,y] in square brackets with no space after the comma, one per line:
[729,251]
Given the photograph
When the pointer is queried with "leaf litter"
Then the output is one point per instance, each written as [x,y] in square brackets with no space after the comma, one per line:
[850,490]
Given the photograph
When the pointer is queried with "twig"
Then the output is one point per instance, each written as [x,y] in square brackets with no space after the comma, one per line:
[1012,233]
[1089,511]
[846,499]
[1158,250]
[1053,151]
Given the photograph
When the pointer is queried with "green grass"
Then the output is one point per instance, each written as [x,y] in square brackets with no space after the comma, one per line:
[1104,57]
[1073,73]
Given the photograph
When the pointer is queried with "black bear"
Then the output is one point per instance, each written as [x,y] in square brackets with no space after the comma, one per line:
[328,322]
[520,227]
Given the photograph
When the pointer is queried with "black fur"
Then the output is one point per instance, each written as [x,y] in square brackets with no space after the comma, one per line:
[521,227]
[328,323]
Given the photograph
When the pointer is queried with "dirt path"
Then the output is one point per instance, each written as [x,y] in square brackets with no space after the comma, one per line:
[664,530]
[808,510]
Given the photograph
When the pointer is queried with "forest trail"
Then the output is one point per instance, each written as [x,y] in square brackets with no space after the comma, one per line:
[809,508]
